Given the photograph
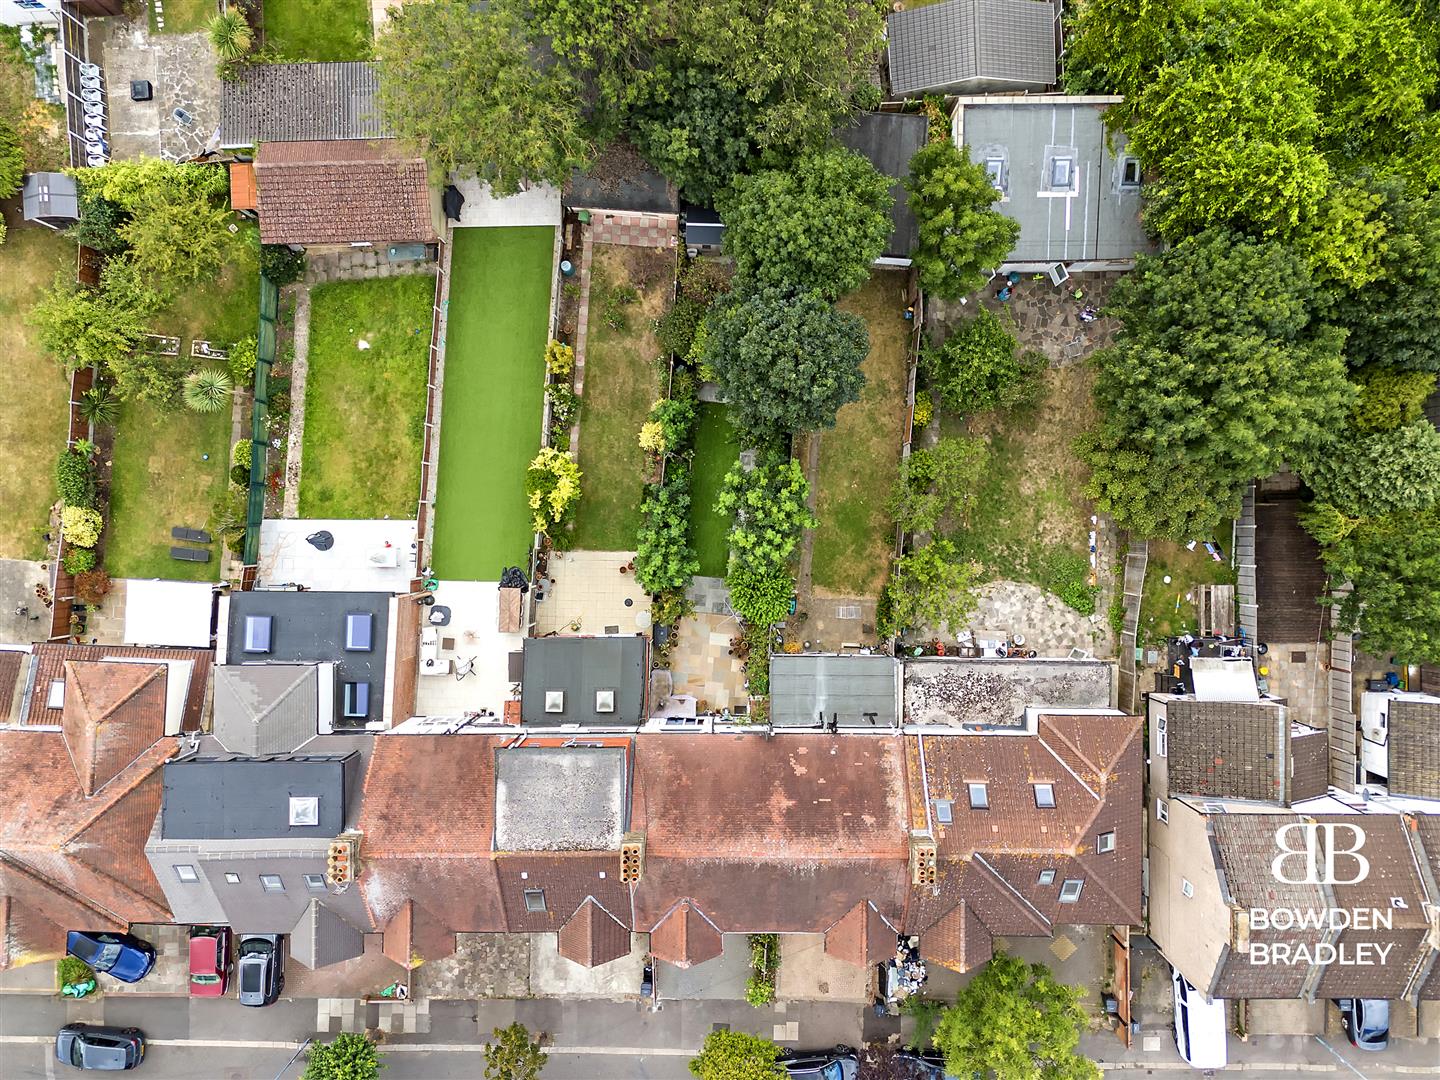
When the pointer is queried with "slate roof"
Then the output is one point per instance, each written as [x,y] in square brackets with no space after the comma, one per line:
[888,141]
[341,192]
[1414,748]
[593,936]
[579,667]
[968,46]
[300,103]
[263,709]
[859,691]
[1228,749]
[321,937]
[241,798]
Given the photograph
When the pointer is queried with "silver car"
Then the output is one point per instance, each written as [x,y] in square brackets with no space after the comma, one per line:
[260,968]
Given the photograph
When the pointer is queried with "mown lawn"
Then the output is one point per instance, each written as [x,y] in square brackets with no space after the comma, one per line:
[716,449]
[183,16]
[34,407]
[860,457]
[365,408]
[161,474]
[620,387]
[490,423]
[1168,609]
[319,29]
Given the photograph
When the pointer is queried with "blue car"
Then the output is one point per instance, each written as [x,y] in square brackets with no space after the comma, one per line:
[121,956]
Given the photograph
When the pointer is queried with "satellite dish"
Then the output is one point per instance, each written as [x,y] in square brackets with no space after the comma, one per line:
[321,541]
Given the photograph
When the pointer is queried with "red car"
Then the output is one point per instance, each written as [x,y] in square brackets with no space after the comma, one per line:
[209,961]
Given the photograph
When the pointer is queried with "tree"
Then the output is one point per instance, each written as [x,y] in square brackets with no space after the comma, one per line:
[694,125]
[734,1055]
[664,558]
[785,362]
[552,488]
[81,328]
[347,1057]
[1389,398]
[459,81]
[606,42]
[12,161]
[206,390]
[760,597]
[1015,1020]
[931,587]
[177,239]
[1219,376]
[770,504]
[960,234]
[939,483]
[1369,475]
[99,224]
[230,35]
[513,1054]
[130,182]
[976,368]
[803,63]
[816,227]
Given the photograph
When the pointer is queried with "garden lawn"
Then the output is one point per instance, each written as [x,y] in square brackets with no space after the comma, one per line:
[493,399]
[860,457]
[1168,610]
[183,16]
[717,448]
[620,387]
[319,29]
[158,479]
[34,407]
[365,408]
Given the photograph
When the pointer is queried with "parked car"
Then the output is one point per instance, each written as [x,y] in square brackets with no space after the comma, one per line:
[1199,1025]
[209,961]
[261,968]
[1367,1022]
[837,1064]
[121,956]
[924,1064]
[101,1049]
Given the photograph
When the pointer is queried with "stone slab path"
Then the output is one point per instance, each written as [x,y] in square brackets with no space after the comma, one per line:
[299,367]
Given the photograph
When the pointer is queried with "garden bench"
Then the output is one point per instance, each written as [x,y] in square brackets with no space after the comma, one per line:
[191,536]
[184,554]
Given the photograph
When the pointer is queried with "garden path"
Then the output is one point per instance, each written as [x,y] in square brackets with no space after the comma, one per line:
[299,367]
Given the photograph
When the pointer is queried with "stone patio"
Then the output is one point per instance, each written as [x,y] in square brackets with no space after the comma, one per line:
[702,665]
[181,71]
[588,589]
[482,966]
[1049,626]
[361,264]
[18,578]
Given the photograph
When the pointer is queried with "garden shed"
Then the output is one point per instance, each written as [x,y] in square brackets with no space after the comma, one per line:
[972,47]
[51,198]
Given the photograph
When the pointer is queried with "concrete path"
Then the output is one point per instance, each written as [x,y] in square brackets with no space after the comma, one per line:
[296,438]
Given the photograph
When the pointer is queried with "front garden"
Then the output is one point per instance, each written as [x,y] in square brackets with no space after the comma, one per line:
[490,425]
[365,391]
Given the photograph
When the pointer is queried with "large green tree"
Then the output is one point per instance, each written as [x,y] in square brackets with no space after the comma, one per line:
[734,1055]
[978,366]
[512,1053]
[785,362]
[82,328]
[930,588]
[176,240]
[1014,1020]
[816,227]
[769,504]
[604,42]
[462,83]
[960,232]
[1219,376]
[939,483]
[1366,475]
[346,1057]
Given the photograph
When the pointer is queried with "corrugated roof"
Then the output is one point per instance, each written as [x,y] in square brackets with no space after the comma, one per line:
[858,691]
[972,45]
[300,102]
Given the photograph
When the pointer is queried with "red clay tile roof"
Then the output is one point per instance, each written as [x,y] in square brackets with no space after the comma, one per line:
[113,713]
[342,192]
[49,665]
[685,937]
[12,686]
[959,940]
[593,936]
[862,937]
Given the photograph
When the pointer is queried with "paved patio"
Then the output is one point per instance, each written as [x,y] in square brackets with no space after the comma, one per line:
[183,118]
[588,594]
[483,966]
[702,665]
[18,578]
[809,973]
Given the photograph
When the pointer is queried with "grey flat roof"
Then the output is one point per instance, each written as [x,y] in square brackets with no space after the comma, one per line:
[309,102]
[889,141]
[1098,218]
[579,667]
[984,693]
[972,45]
[239,798]
[50,195]
[553,798]
[847,687]
[310,627]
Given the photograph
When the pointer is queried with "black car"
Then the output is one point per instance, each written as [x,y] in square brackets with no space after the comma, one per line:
[837,1064]
[100,1049]
[1367,1022]
[261,968]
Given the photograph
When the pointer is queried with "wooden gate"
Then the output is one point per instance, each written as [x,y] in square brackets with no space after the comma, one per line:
[1120,947]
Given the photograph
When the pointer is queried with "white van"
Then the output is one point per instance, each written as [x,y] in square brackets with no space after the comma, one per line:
[1199,1025]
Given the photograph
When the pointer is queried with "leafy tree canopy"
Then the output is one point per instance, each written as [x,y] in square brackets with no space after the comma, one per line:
[1219,376]
[81,328]
[1379,473]
[786,363]
[460,82]
[960,232]
[930,588]
[734,1055]
[512,1053]
[939,483]
[664,558]
[1389,398]
[138,182]
[347,1057]
[817,227]
[1015,1020]
[605,42]
[174,240]
[770,506]
[976,368]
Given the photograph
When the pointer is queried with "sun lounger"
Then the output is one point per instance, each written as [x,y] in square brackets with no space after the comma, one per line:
[184,554]
[191,536]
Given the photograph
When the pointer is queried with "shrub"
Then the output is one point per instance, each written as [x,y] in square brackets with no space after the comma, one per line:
[559,360]
[1117,613]
[99,224]
[764,968]
[92,586]
[677,327]
[938,484]
[230,35]
[227,519]
[770,510]
[70,970]
[206,390]
[757,658]
[242,361]
[1067,574]
[100,406]
[242,452]
[928,588]
[664,559]
[977,367]
[760,598]
[924,409]
[80,526]
[281,264]
[349,1056]
[564,408]
[75,479]
[676,417]
[78,560]
[552,488]
[704,281]
[128,285]
[652,436]
[240,475]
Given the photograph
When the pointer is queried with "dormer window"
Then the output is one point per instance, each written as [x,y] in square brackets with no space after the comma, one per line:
[1105,842]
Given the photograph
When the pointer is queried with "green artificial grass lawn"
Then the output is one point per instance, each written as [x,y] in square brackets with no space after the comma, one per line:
[620,387]
[34,410]
[318,29]
[716,449]
[860,456]
[365,408]
[493,399]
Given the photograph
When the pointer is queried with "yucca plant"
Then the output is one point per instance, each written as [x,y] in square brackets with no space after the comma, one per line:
[207,390]
[100,406]
[230,35]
